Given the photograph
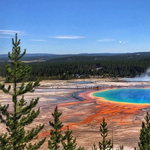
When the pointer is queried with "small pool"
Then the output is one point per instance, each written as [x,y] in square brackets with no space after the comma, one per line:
[84,82]
[136,96]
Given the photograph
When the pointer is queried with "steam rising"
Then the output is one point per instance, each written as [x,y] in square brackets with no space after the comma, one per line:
[143,77]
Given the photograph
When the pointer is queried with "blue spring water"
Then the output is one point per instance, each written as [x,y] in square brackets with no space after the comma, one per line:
[84,82]
[136,96]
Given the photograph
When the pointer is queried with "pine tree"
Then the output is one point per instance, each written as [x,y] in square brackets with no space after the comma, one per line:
[94,147]
[70,141]
[81,148]
[57,138]
[144,143]
[105,144]
[121,148]
[56,133]
[23,114]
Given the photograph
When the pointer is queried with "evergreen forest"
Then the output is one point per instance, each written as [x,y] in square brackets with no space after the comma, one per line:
[85,66]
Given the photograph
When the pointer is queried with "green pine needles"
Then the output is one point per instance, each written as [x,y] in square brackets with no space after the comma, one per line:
[94,147]
[56,133]
[57,140]
[105,144]
[121,148]
[144,143]
[23,114]
[70,141]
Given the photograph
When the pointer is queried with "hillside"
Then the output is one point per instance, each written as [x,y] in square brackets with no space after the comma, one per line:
[51,66]
[72,57]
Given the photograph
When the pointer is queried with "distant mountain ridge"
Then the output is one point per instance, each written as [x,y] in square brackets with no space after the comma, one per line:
[46,56]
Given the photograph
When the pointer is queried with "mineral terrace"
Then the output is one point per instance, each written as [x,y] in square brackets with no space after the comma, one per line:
[83,113]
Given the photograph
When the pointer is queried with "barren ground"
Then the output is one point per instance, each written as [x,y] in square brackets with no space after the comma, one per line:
[84,116]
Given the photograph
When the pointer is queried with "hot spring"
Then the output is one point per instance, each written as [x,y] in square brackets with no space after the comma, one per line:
[134,96]
[143,77]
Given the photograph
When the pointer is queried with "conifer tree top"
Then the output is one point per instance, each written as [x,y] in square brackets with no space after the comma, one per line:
[22,114]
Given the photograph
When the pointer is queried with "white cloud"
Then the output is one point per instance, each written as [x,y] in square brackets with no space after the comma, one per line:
[123,42]
[106,40]
[38,40]
[11,32]
[68,37]
[6,37]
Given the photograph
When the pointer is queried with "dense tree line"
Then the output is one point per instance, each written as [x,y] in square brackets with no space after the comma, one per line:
[75,69]
[85,66]
[105,68]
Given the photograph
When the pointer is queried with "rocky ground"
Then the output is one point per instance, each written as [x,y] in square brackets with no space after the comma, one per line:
[84,116]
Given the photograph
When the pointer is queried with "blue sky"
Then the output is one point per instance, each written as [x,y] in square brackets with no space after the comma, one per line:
[76,26]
